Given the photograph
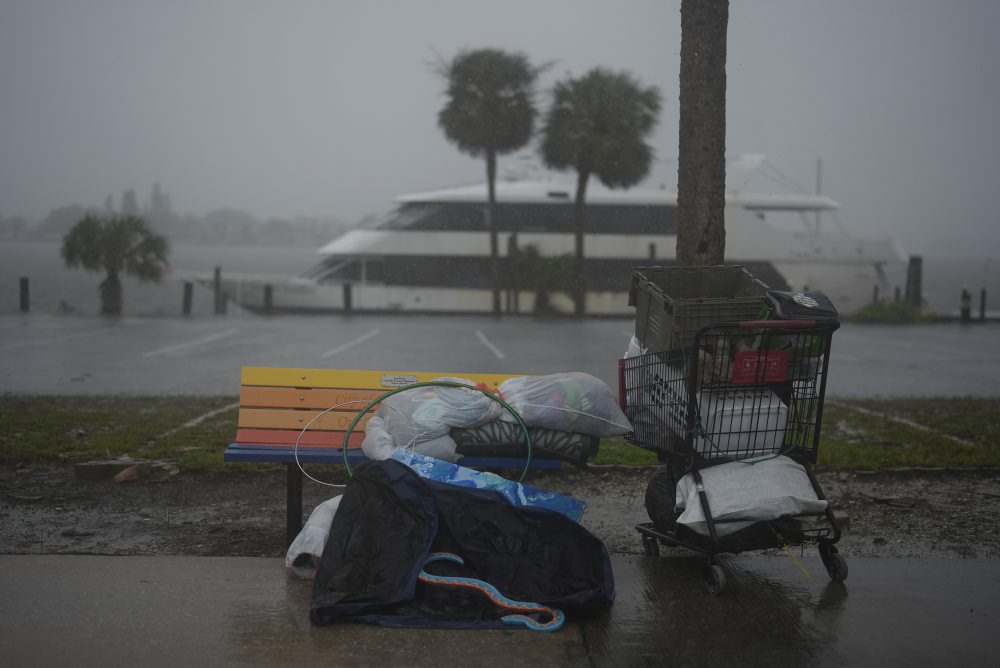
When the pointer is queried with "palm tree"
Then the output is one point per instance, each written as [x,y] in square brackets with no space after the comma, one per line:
[598,125]
[701,168]
[542,274]
[490,111]
[115,245]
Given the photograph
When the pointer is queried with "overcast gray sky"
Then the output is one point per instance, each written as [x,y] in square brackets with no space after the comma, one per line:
[330,108]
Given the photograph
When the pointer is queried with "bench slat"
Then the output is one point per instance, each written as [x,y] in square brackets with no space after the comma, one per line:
[278,418]
[291,397]
[355,380]
[310,439]
[252,453]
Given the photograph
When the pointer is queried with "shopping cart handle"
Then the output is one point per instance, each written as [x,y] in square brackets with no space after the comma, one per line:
[777,324]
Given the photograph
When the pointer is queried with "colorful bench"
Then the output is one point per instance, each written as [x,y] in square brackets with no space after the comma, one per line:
[277,404]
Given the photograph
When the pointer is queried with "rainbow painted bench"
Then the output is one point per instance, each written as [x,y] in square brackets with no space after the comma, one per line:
[278,404]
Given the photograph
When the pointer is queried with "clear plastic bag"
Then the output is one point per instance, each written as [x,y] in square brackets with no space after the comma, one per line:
[420,418]
[303,554]
[573,401]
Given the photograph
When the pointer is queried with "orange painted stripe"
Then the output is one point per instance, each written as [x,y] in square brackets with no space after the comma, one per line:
[310,439]
[267,418]
[289,397]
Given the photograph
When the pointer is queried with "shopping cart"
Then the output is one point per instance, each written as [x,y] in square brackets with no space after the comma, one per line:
[741,394]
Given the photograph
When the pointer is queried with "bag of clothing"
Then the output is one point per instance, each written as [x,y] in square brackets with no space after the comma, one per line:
[574,401]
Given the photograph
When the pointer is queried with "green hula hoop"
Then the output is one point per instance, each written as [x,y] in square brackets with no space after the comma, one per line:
[439,383]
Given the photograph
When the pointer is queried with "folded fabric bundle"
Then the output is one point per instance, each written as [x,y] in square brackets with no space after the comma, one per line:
[507,439]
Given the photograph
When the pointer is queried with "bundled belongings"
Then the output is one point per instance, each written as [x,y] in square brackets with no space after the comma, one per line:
[380,557]
[574,401]
[420,418]
[567,415]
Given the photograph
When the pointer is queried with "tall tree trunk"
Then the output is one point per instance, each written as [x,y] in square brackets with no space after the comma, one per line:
[491,222]
[701,174]
[111,294]
[579,274]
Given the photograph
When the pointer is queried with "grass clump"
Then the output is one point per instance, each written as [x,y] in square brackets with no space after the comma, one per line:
[58,429]
[618,452]
[869,434]
[886,312]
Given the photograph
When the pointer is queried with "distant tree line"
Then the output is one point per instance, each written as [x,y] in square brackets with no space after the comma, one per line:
[221,226]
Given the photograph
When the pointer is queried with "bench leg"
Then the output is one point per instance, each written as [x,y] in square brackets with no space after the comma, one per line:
[293,503]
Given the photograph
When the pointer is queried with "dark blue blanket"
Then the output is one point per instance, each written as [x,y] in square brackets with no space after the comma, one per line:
[390,519]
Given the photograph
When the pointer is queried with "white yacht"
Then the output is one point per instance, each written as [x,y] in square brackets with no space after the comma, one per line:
[432,253]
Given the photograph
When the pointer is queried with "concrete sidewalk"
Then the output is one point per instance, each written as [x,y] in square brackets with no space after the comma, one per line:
[96,610]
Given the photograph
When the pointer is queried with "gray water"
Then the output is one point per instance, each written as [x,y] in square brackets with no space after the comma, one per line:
[56,289]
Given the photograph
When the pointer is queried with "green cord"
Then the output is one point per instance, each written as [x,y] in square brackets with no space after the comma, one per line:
[439,383]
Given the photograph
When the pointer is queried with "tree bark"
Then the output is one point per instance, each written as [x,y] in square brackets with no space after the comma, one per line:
[701,175]
[579,274]
[491,223]
[111,294]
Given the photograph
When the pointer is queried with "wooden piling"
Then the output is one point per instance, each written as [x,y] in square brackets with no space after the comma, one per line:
[914,280]
[25,295]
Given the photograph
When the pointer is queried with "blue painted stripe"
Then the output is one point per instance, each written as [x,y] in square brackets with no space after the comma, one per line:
[273,454]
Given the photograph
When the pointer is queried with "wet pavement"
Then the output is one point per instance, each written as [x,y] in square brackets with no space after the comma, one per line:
[42,354]
[97,610]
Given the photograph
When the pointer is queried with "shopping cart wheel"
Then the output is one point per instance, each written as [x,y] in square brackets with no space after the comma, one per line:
[650,546]
[836,565]
[715,579]
[661,495]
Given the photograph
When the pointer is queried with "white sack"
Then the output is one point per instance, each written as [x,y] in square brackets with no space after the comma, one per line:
[765,490]
[574,401]
[434,409]
[303,554]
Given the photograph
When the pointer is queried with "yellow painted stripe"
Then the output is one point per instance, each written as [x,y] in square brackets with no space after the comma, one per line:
[356,380]
[267,418]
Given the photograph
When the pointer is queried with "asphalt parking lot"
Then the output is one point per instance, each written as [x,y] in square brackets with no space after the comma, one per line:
[203,356]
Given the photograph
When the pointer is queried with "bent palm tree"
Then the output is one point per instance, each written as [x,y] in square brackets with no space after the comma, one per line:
[115,245]
[597,125]
[490,111]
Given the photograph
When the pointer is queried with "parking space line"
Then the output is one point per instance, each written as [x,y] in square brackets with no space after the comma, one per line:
[350,344]
[489,344]
[58,339]
[190,344]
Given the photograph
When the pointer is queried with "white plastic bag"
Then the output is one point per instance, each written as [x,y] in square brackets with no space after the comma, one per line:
[420,418]
[752,490]
[574,401]
[380,444]
[635,348]
[303,554]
